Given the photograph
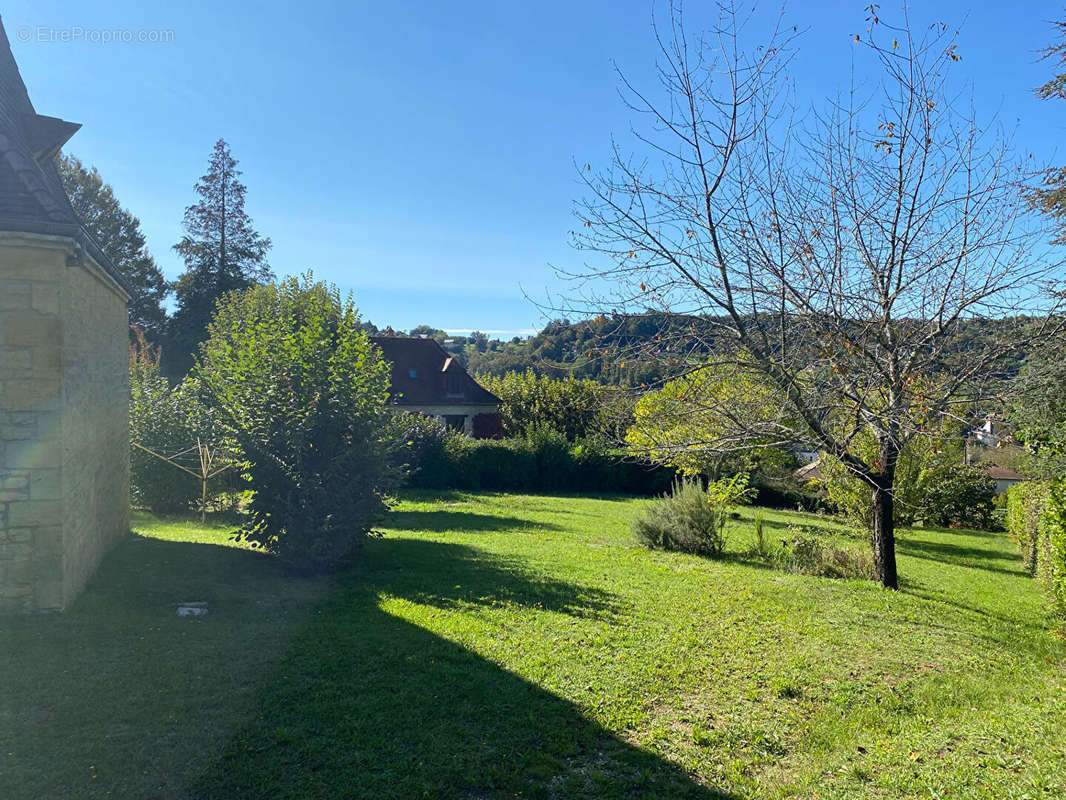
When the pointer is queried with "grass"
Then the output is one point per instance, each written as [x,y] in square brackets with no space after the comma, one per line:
[521,646]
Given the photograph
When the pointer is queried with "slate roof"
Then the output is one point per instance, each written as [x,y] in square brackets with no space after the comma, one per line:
[32,198]
[420,370]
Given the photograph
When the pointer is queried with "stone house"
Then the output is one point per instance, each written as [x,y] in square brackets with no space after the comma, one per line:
[427,379]
[64,394]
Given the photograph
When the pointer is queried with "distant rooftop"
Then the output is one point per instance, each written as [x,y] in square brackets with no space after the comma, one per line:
[424,373]
[1002,473]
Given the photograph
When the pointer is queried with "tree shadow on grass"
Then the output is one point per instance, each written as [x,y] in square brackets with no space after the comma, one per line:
[368,705]
[919,589]
[460,522]
[464,576]
[961,555]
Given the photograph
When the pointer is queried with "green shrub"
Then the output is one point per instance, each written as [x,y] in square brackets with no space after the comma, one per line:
[419,453]
[301,389]
[963,496]
[541,461]
[762,545]
[1036,520]
[168,421]
[496,465]
[691,519]
[683,520]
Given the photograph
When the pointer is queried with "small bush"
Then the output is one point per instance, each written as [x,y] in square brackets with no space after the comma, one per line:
[683,520]
[806,554]
[690,519]
[762,546]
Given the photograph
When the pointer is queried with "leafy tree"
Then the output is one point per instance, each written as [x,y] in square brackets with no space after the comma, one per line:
[428,331]
[119,235]
[685,423]
[222,253]
[840,258]
[924,462]
[574,408]
[301,390]
[479,341]
[1051,196]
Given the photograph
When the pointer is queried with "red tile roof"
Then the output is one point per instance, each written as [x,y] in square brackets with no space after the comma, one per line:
[1002,473]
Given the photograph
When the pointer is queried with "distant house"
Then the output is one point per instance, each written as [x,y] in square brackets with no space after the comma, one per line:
[992,432]
[1004,478]
[426,379]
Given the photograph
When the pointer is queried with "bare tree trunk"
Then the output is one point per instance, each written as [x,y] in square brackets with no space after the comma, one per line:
[884,527]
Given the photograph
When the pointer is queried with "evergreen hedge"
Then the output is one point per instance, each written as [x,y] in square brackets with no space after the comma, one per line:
[542,461]
[1036,520]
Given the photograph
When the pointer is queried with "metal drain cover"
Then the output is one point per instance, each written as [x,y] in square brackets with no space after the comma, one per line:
[197,609]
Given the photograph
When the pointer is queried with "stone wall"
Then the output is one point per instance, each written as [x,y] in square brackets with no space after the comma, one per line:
[64,456]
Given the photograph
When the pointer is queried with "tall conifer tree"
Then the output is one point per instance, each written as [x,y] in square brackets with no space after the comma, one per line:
[222,253]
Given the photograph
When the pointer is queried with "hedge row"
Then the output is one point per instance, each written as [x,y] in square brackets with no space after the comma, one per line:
[1036,520]
[535,464]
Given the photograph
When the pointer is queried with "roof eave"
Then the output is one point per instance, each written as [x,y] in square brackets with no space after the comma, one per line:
[80,236]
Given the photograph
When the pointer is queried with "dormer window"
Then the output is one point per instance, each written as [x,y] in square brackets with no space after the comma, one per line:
[453,382]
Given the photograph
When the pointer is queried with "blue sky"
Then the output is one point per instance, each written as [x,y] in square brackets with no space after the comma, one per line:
[421,154]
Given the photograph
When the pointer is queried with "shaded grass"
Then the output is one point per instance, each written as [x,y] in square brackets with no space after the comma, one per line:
[498,645]
[121,697]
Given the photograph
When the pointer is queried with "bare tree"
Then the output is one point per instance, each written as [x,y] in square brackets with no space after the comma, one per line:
[835,257]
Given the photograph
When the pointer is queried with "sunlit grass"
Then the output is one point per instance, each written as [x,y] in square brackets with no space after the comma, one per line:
[494,645]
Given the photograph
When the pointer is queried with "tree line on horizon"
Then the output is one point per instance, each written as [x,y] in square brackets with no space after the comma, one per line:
[223,252]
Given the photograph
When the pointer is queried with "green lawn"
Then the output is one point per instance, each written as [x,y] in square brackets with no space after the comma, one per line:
[517,646]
